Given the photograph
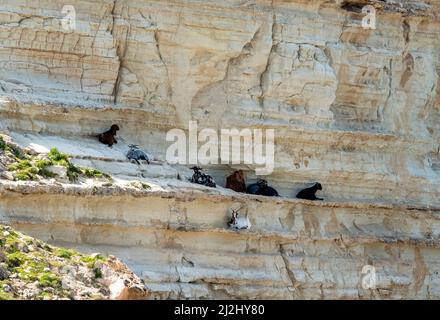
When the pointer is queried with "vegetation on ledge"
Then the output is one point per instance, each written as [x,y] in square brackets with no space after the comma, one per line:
[27,167]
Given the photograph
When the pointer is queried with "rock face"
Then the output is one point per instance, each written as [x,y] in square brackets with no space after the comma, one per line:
[347,103]
[31,269]
[357,109]
[179,242]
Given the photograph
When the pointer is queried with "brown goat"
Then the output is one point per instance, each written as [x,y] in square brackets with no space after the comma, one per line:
[108,137]
[236,181]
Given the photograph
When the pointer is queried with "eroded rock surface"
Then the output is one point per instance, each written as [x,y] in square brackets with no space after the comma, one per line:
[356,109]
[347,103]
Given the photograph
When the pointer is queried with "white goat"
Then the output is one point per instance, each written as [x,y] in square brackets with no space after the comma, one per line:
[239,223]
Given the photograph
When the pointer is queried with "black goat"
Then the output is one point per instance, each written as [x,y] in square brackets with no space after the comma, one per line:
[261,188]
[309,193]
[201,178]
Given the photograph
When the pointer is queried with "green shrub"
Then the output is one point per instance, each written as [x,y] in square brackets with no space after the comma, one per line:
[6,295]
[15,259]
[90,172]
[73,172]
[49,279]
[93,173]
[20,165]
[64,253]
[58,157]
[62,159]
[32,170]
[44,294]
[97,272]
[43,164]
[2,143]
[145,186]
[15,151]
[24,177]
[26,174]
[27,169]
[91,260]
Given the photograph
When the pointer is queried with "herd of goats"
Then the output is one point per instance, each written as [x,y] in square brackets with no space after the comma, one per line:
[236,181]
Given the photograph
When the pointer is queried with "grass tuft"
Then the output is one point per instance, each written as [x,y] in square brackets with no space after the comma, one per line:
[93,173]
[2,143]
[15,259]
[65,253]
[27,169]
[49,279]
[58,157]
[20,165]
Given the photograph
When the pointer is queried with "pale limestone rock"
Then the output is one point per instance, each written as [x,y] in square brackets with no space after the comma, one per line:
[60,171]
[123,284]
[295,74]
[297,67]
[356,109]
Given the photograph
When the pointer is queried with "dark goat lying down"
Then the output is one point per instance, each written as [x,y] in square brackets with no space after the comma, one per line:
[261,188]
[108,137]
[236,181]
[309,193]
[201,178]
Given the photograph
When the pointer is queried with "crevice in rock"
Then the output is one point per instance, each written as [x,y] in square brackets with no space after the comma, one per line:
[81,80]
[121,48]
[408,62]
[420,270]
[112,12]
[159,53]
[286,265]
[406,31]
[117,84]
[389,71]
[265,71]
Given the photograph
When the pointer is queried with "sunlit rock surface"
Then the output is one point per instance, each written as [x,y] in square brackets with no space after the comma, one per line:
[355,109]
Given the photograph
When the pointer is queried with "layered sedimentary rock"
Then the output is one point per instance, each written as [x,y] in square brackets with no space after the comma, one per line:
[347,103]
[180,245]
[357,109]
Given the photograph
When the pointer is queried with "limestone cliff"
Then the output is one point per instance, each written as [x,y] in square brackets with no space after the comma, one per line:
[356,109]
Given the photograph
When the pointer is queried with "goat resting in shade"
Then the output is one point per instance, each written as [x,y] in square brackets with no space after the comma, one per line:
[310,193]
[236,181]
[108,137]
[261,188]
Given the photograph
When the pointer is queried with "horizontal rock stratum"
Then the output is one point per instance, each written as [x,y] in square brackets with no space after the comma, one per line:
[356,109]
